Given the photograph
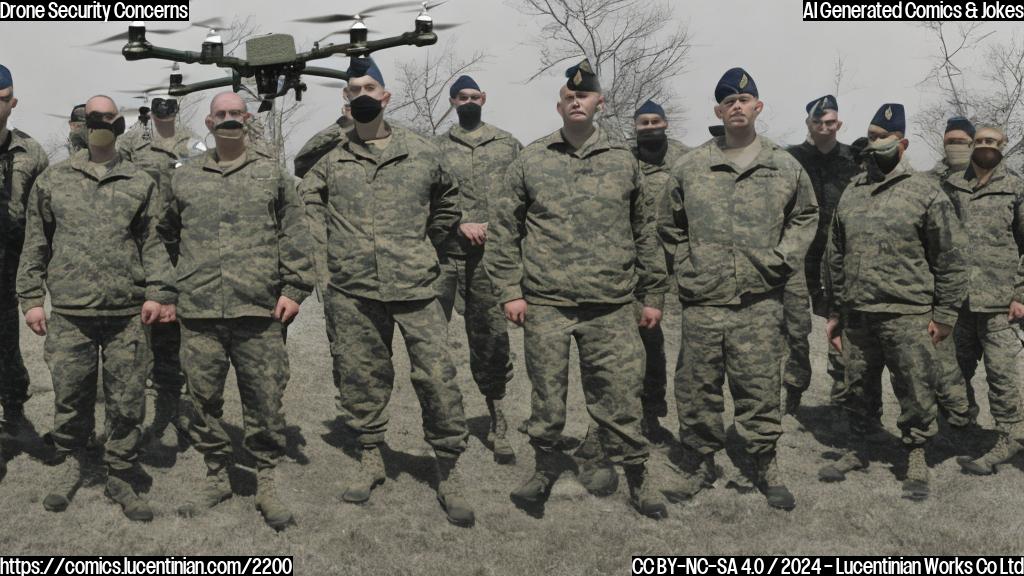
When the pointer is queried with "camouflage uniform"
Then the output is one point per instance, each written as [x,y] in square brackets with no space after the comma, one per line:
[93,242]
[318,146]
[243,243]
[22,160]
[993,217]
[830,173]
[385,212]
[573,233]
[895,264]
[478,160]
[732,259]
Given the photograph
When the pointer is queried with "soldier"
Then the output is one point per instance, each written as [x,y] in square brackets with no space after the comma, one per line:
[22,160]
[387,202]
[831,165]
[740,216]
[478,154]
[957,145]
[323,142]
[243,272]
[77,135]
[158,152]
[989,201]
[897,281]
[573,247]
[91,240]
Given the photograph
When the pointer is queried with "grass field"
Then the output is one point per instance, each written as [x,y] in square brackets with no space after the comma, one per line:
[403,530]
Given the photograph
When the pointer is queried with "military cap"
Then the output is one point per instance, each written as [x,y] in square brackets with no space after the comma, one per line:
[5,77]
[816,108]
[960,123]
[649,107]
[735,81]
[77,113]
[891,118]
[582,78]
[359,67]
[463,83]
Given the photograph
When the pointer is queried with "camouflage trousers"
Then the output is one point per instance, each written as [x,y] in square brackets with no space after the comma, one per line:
[872,342]
[73,348]
[744,342]
[165,341]
[955,400]
[486,327]
[797,315]
[13,376]
[361,331]
[255,347]
[611,370]
[989,335]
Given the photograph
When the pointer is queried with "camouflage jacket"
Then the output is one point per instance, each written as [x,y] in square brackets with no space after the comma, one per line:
[993,218]
[658,175]
[478,161]
[729,232]
[242,235]
[22,160]
[318,146]
[573,227]
[93,241]
[894,247]
[153,155]
[830,174]
[384,213]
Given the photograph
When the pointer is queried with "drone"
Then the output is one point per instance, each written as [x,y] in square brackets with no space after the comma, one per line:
[272,58]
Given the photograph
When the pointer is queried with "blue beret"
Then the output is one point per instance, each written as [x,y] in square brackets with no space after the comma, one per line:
[816,108]
[650,107]
[735,81]
[960,123]
[5,77]
[463,83]
[582,78]
[359,67]
[891,118]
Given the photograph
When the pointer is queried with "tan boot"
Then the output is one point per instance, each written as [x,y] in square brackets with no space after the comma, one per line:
[915,486]
[449,493]
[497,436]
[771,484]
[120,490]
[68,476]
[275,513]
[1005,449]
[836,471]
[535,491]
[642,494]
[216,489]
[369,475]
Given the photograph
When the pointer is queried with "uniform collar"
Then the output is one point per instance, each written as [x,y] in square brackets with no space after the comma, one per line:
[598,142]
[967,180]
[252,154]
[484,134]
[765,158]
[397,148]
[121,169]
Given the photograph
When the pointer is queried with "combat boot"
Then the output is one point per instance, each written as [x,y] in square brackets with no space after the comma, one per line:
[708,471]
[369,475]
[68,476]
[536,490]
[165,414]
[836,471]
[652,429]
[497,436]
[275,513]
[793,398]
[770,483]
[119,489]
[915,486]
[449,493]
[642,494]
[598,477]
[1005,449]
[216,489]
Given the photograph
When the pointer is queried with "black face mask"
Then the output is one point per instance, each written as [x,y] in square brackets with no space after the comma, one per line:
[987,158]
[95,121]
[366,109]
[652,145]
[230,130]
[469,115]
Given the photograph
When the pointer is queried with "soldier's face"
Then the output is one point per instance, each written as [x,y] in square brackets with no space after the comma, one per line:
[739,110]
[578,107]
[956,137]
[647,122]
[467,96]
[366,86]
[989,138]
[826,125]
[7,103]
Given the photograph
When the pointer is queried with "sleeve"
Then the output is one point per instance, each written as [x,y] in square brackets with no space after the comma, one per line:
[832,274]
[944,235]
[35,253]
[164,181]
[160,283]
[652,282]
[673,229]
[312,191]
[294,243]
[1018,236]
[445,214]
[506,228]
[801,223]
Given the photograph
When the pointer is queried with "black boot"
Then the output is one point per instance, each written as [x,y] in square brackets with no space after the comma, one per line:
[535,491]
[642,494]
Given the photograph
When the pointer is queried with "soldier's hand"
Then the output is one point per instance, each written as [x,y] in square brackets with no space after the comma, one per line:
[475,233]
[650,317]
[151,312]
[286,310]
[168,313]
[939,332]
[836,340]
[36,320]
[1016,311]
[515,311]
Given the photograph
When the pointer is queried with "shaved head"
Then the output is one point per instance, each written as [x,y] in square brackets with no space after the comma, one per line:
[101,103]
[226,101]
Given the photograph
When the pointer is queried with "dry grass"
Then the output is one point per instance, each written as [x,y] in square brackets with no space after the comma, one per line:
[403,530]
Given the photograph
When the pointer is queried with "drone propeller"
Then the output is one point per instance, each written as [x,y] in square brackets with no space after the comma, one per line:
[123,36]
[447,26]
[215,23]
[426,6]
[336,32]
[367,13]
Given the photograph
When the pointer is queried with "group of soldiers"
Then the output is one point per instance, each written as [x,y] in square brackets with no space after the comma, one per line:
[173,267]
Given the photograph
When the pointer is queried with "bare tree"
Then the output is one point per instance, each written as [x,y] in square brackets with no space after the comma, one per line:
[631,44]
[421,101]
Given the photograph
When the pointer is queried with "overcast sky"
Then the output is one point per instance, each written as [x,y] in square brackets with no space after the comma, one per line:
[791,61]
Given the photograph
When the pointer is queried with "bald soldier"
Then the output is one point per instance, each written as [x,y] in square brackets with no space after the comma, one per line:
[91,243]
[478,154]
[738,221]
[22,160]
[574,255]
